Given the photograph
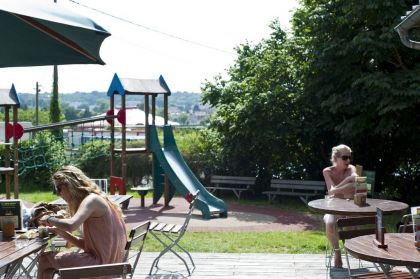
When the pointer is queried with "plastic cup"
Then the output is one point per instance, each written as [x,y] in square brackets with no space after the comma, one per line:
[9,230]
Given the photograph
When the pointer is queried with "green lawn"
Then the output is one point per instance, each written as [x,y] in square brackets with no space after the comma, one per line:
[243,242]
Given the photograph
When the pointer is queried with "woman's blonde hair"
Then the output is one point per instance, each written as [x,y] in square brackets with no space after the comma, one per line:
[79,187]
[336,152]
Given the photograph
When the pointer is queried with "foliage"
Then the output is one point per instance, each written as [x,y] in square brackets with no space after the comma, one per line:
[55,110]
[29,115]
[257,119]
[38,159]
[341,75]
[190,145]
[360,84]
[93,158]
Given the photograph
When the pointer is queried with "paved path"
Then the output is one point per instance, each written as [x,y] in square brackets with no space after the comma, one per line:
[240,217]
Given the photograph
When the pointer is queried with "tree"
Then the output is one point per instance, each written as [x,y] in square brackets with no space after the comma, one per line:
[55,111]
[183,118]
[256,124]
[360,83]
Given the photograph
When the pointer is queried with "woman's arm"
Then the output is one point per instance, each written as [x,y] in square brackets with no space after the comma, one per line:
[345,187]
[91,206]
[328,179]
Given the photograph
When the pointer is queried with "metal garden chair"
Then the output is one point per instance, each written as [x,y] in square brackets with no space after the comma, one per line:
[169,236]
[135,244]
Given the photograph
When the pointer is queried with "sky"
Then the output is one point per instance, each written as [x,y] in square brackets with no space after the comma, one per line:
[209,32]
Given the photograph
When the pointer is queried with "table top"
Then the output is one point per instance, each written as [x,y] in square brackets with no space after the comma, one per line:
[118,199]
[347,207]
[12,250]
[400,251]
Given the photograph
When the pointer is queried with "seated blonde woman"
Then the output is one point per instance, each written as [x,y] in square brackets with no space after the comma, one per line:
[103,230]
[340,181]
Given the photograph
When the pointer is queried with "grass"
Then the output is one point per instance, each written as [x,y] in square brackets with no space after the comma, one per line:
[249,242]
[243,242]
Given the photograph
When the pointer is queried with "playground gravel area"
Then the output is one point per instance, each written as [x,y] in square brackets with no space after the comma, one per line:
[248,218]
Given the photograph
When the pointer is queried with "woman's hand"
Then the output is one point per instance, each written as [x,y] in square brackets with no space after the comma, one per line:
[44,220]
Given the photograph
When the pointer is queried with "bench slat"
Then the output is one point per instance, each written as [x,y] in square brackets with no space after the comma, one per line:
[301,188]
[237,184]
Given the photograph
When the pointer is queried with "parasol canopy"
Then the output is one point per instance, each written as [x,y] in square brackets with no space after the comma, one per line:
[38,33]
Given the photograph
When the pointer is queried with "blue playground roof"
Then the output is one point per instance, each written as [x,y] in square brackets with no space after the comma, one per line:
[134,86]
[8,97]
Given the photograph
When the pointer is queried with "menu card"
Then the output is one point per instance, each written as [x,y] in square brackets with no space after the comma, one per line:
[380,230]
[11,212]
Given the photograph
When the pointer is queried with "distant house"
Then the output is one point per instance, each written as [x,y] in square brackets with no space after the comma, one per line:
[135,121]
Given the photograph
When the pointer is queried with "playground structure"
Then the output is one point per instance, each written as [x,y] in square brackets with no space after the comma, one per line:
[169,171]
[9,99]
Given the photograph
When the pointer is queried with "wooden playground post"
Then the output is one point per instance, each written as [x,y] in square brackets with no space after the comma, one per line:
[6,151]
[15,154]
[146,120]
[123,143]
[165,108]
[112,143]
[154,108]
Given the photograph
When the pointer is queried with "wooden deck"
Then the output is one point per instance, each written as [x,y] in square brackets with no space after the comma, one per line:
[244,266]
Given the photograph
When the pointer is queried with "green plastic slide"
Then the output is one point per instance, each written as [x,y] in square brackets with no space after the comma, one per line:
[180,175]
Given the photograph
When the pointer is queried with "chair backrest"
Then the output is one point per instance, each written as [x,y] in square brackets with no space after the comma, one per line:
[135,244]
[118,269]
[370,177]
[355,226]
[406,225]
[102,183]
[192,199]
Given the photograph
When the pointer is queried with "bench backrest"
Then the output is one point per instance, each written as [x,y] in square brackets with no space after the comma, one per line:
[298,184]
[232,179]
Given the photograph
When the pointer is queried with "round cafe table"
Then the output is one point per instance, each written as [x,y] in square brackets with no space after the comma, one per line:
[400,251]
[347,207]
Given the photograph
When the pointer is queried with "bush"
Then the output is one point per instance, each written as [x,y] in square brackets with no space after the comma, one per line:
[39,158]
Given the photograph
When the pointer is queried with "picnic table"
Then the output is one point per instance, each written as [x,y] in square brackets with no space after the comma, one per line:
[347,207]
[400,252]
[118,199]
[13,251]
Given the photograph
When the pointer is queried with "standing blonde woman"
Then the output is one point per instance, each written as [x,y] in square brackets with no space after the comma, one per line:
[103,230]
[340,181]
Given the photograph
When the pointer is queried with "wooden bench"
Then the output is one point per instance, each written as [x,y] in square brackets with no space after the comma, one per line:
[236,184]
[301,188]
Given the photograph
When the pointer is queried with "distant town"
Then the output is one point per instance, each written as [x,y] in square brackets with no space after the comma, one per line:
[184,108]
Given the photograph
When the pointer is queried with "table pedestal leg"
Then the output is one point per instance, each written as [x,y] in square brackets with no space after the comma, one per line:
[142,194]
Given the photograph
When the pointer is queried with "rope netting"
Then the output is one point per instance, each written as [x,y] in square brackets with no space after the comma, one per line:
[46,151]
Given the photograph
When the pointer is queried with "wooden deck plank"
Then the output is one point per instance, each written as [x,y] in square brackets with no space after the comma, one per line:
[244,266]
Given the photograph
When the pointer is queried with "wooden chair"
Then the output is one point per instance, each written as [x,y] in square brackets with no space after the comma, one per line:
[353,227]
[135,244]
[118,269]
[406,225]
[370,177]
[169,236]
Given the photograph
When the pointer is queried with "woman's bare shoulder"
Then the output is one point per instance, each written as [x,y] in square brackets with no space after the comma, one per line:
[328,169]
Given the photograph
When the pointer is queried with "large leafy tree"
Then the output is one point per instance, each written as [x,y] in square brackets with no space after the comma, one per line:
[341,76]
[361,85]
[254,126]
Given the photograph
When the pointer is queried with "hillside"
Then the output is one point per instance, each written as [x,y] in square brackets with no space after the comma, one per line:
[184,107]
